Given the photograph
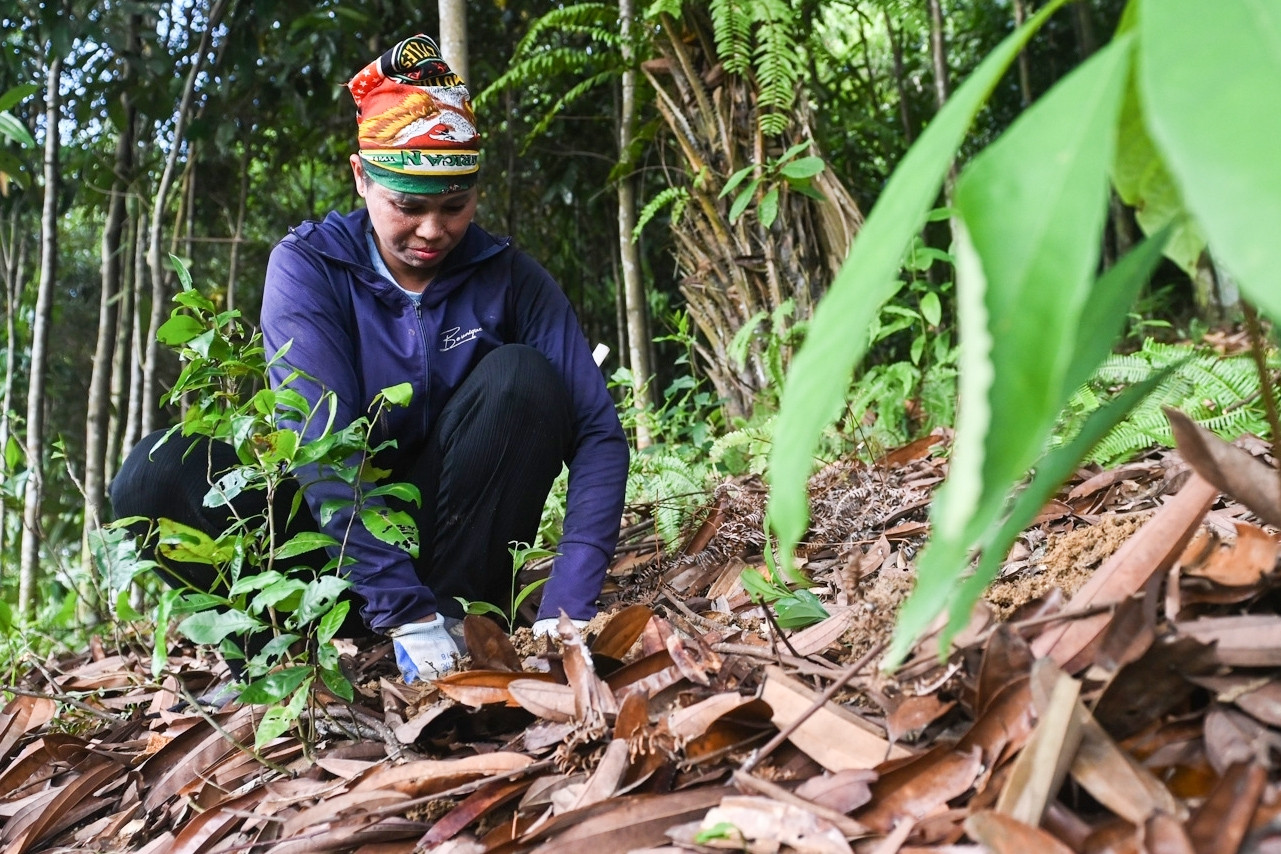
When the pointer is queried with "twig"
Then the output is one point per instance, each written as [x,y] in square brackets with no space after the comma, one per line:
[805,665]
[776,632]
[366,725]
[844,823]
[67,700]
[850,672]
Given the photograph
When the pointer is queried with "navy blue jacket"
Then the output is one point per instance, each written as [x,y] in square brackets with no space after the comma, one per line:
[357,333]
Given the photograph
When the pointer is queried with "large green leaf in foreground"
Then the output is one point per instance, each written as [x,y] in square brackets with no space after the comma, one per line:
[1209,77]
[1030,211]
[837,339]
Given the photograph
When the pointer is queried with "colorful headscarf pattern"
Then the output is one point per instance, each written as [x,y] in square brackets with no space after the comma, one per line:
[417,131]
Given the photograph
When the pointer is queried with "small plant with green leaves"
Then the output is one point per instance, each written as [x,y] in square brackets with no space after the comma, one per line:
[787,170]
[522,555]
[276,613]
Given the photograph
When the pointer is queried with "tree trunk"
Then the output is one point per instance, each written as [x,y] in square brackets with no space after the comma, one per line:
[99,401]
[938,52]
[15,266]
[133,418]
[1025,72]
[242,204]
[155,259]
[121,364]
[732,273]
[638,334]
[453,36]
[39,348]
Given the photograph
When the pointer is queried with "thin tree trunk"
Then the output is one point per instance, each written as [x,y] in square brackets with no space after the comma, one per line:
[1025,73]
[155,259]
[938,52]
[629,255]
[100,377]
[900,81]
[15,265]
[121,364]
[133,420]
[242,204]
[39,349]
[453,36]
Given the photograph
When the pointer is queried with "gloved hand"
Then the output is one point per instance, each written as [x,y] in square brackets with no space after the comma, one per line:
[425,650]
[547,626]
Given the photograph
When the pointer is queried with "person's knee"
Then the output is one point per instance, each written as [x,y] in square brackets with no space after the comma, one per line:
[521,376]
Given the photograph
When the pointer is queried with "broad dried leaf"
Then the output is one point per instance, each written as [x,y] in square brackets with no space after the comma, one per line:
[914,713]
[1232,737]
[489,646]
[1040,768]
[1151,551]
[1148,688]
[820,636]
[1249,480]
[1220,824]
[183,760]
[1248,640]
[638,671]
[548,700]
[1004,834]
[832,736]
[919,786]
[207,828]
[348,805]
[1006,657]
[476,805]
[633,715]
[604,781]
[53,816]
[843,791]
[476,688]
[1164,834]
[623,824]
[349,835]
[1115,779]
[692,721]
[1004,727]
[429,776]
[621,632]
[1243,563]
[593,699]
[768,825]
[23,715]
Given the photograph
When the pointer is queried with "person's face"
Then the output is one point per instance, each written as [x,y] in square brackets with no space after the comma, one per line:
[414,232]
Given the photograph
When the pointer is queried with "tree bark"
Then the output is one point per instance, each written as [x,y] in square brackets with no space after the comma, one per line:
[96,413]
[938,52]
[453,36]
[121,364]
[638,335]
[35,444]
[15,266]
[1025,72]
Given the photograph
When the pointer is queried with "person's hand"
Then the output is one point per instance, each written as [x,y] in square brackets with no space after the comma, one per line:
[547,626]
[424,650]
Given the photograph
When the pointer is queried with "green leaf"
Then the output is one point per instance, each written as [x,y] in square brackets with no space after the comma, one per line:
[736,179]
[526,592]
[283,595]
[742,200]
[274,687]
[398,395]
[837,340]
[332,622]
[1208,83]
[178,330]
[319,595]
[338,683]
[210,627]
[15,130]
[802,608]
[480,608]
[255,581]
[17,94]
[302,543]
[931,308]
[1031,207]
[180,267]
[768,211]
[393,527]
[806,167]
[406,492]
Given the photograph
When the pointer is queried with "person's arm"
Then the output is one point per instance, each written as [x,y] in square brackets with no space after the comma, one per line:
[599,459]
[303,304]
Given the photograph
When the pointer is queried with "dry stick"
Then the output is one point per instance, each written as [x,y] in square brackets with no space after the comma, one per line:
[66,699]
[850,672]
[1265,379]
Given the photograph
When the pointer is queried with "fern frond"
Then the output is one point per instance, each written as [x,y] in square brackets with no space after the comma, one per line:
[597,20]
[732,22]
[677,197]
[778,64]
[575,92]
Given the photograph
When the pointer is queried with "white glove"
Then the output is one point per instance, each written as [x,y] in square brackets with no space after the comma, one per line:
[425,650]
[547,626]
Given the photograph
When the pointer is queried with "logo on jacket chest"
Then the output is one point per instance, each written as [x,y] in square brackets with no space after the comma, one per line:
[456,337]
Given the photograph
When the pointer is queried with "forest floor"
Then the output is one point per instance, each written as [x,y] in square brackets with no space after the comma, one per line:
[1116,691]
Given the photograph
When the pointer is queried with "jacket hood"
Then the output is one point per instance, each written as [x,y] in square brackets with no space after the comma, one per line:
[340,239]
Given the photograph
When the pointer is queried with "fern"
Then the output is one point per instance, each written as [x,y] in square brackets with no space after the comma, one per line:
[671,485]
[1221,394]
[752,442]
[778,65]
[677,197]
[732,22]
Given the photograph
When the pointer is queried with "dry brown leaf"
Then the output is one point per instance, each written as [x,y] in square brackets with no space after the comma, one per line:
[1155,684]
[764,824]
[821,635]
[1115,779]
[1151,551]
[1243,563]
[548,700]
[1164,834]
[604,781]
[183,760]
[621,824]
[1000,833]
[913,713]
[23,715]
[1040,768]
[1221,822]
[207,828]
[920,786]
[638,671]
[1248,640]
[843,791]
[489,646]
[621,632]
[1247,479]
[1006,657]
[1004,727]
[832,736]
[692,721]
[593,699]
[337,808]
[348,835]
[428,776]
[24,831]
[476,805]
[476,688]
[1233,737]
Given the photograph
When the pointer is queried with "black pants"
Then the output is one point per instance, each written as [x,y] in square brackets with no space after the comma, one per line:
[484,474]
